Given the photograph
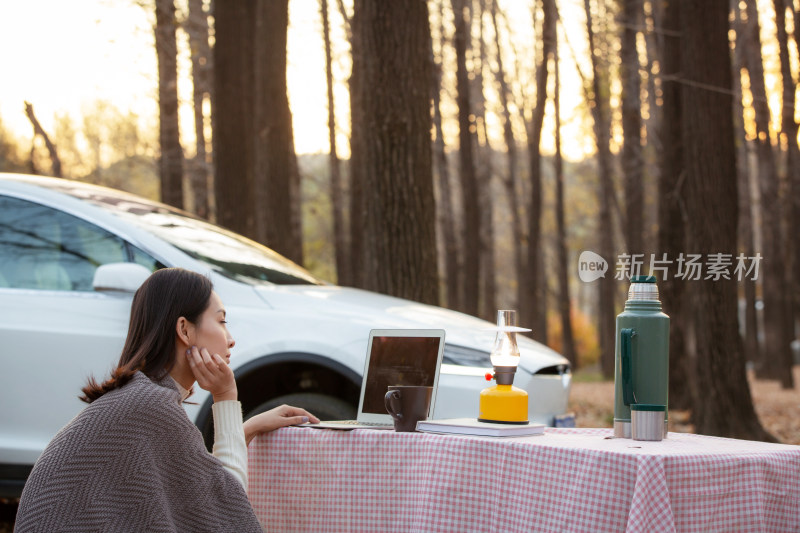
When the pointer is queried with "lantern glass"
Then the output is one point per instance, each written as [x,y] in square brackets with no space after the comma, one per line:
[505,351]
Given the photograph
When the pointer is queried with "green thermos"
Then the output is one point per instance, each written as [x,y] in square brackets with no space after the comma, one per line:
[641,362]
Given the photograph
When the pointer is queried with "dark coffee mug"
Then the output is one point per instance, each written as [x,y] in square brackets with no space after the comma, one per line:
[408,404]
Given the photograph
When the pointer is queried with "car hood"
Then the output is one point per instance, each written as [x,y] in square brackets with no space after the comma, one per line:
[377,311]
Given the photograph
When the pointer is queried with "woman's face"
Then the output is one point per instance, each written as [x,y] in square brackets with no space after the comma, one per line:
[211,330]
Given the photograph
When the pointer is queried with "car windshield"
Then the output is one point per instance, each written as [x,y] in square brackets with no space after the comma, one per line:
[223,251]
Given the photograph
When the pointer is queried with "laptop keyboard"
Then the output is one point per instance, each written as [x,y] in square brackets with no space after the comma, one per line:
[357,423]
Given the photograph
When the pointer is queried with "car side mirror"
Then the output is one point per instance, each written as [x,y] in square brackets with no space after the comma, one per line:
[123,277]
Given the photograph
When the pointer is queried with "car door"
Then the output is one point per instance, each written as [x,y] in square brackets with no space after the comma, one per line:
[55,331]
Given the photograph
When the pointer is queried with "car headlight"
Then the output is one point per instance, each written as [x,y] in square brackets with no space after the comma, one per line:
[459,355]
[558,370]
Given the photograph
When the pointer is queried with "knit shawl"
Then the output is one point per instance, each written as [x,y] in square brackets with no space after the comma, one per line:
[132,461]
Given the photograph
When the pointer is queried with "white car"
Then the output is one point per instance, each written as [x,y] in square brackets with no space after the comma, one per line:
[72,254]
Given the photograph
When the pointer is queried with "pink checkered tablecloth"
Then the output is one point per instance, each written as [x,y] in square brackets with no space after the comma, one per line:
[303,479]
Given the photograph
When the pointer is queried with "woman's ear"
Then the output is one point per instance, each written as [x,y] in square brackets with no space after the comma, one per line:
[182,329]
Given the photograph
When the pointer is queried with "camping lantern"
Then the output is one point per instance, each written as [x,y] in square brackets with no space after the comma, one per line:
[504,403]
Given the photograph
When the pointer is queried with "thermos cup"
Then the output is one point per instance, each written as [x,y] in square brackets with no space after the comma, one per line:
[641,363]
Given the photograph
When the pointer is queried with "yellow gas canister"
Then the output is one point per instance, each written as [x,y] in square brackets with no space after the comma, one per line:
[504,403]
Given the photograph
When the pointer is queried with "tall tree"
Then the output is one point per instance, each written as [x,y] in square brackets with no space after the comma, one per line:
[795,180]
[632,162]
[171,160]
[394,47]
[725,407]
[777,362]
[746,203]
[484,173]
[796,21]
[274,165]
[295,207]
[444,207]
[788,136]
[38,131]
[564,301]
[602,131]
[196,27]
[671,211]
[340,233]
[532,296]
[234,34]
[652,13]
[357,148]
[510,181]
[10,155]
[654,45]
[469,182]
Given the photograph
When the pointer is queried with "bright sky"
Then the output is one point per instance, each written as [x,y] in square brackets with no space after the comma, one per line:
[60,58]
[63,58]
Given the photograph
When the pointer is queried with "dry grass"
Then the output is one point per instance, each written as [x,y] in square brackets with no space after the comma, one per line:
[778,409]
[593,404]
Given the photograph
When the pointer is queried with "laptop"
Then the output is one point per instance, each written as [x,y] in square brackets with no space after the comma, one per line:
[394,357]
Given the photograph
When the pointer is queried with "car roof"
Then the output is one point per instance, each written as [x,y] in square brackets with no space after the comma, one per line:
[117,211]
[91,193]
[89,202]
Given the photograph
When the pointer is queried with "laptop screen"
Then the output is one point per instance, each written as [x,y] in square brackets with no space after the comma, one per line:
[399,361]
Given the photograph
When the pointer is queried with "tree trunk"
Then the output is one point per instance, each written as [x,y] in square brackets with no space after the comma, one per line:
[51,148]
[444,206]
[564,301]
[651,142]
[602,132]
[348,28]
[234,30]
[273,143]
[796,24]
[510,183]
[632,162]
[752,351]
[295,193]
[672,214]
[357,148]
[212,112]
[171,160]
[469,185]
[532,295]
[794,183]
[654,41]
[400,238]
[488,284]
[197,29]
[777,350]
[340,232]
[726,408]
[789,136]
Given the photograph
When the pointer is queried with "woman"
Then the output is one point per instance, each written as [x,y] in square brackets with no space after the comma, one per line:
[132,460]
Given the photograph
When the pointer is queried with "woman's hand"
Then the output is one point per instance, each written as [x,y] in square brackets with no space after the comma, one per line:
[282,416]
[212,374]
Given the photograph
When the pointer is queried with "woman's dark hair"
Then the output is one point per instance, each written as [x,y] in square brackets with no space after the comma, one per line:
[163,298]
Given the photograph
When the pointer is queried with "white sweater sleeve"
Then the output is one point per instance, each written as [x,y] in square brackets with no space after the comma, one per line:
[229,444]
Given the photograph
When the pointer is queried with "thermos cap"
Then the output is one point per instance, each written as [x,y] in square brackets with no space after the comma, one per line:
[647,421]
[643,288]
[647,407]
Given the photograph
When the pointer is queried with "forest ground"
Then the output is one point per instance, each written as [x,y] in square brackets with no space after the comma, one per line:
[592,401]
